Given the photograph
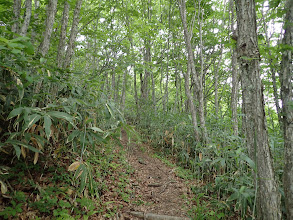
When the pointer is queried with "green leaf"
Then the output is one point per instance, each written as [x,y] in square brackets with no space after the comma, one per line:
[249,161]
[97,129]
[47,126]
[31,120]
[15,51]
[29,49]
[19,143]
[73,135]
[19,39]
[17,150]
[15,112]
[3,48]
[4,40]
[234,196]
[61,115]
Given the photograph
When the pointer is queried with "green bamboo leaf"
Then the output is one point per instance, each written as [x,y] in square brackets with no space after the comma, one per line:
[97,129]
[17,150]
[47,126]
[29,49]
[15,112]
[61,115]
[73,135]
[31,120]
[249,161]
[234,196]
[19,143]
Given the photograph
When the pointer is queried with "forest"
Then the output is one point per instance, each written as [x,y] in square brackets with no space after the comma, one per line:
[146,109]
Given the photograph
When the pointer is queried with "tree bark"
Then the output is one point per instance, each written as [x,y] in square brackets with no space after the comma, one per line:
[36,15]
[199,85]
[197,81]
[50,16]
[286,78]
[73,34]
[62,38]
[16,12]
[123,95]
[273,71]
[27,17]
[268,197]
[235,80]
[145,78]
[191,104]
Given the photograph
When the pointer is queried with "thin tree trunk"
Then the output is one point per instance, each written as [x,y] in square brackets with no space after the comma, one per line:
[133,65]
[16,12]
[50,16]
[191,104]
[147,60]
[153,92]
[36,15]
[176,103]
[235,80]
[116,97]
[201,103]
[273,71]
[123,95]
[27,17]
[198,79]
[286,78]
[113,85]
[62,38]
[135,92]
[73,34]
[268,197]
[216,69]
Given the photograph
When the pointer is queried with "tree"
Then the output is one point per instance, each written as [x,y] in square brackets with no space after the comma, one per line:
[268,198]
[50,19]
[27,17]
[73,34]
[197,79]
[235,81]
[62,39]
[286,79]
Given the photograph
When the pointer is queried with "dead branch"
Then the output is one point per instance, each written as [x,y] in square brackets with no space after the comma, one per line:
[151,216]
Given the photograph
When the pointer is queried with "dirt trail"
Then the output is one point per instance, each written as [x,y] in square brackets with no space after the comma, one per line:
[154,185]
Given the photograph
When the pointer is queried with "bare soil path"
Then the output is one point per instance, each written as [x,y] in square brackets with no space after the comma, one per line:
[155,186]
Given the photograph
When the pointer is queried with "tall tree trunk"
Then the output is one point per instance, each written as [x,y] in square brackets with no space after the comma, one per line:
[73,34]
[62,38]
[201,102]
[124,90]
[36,15]
[153,92]
[27,17]
[16,17]
[116,97]
[145,78]
[135,92]
[235,80]
[286,78]
[191,66]
[50,16]
[113,85]
[268,197]
[273,70]
[191,104]
[132,65]
[216,70]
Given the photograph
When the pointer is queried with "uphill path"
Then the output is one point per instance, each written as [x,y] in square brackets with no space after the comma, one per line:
[157,192]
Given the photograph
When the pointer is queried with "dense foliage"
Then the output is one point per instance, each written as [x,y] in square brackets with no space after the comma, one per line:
[69,90]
